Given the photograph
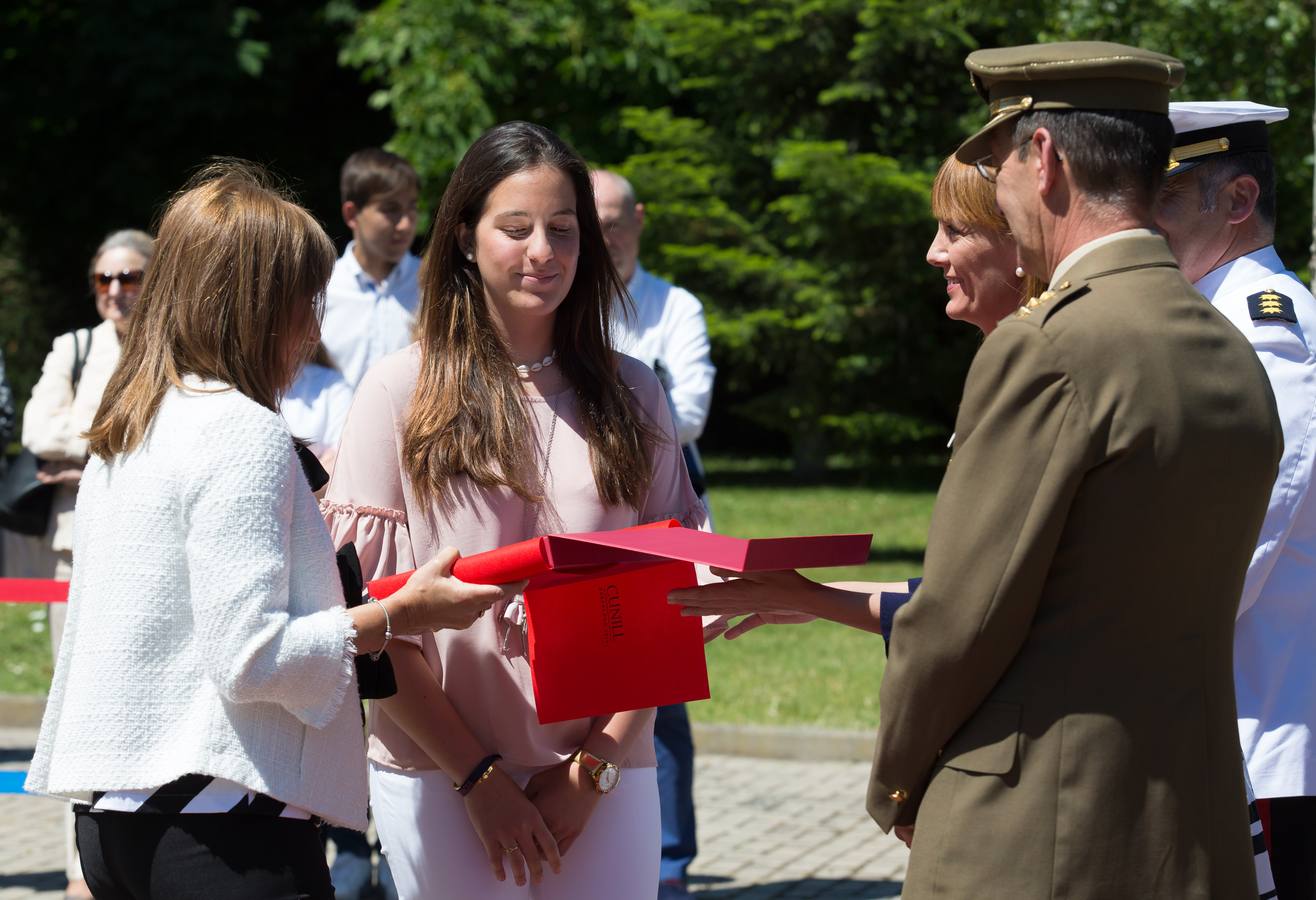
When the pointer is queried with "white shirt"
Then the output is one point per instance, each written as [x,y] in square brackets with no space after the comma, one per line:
[1275,638]
[365,320]
[316,406]
[206,632]
[668,328]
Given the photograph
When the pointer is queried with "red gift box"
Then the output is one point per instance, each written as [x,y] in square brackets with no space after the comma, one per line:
[602,636]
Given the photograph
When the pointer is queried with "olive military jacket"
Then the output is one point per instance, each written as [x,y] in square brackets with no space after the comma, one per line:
[1058,706]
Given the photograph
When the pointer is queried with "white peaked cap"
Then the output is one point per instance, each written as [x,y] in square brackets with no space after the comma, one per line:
[1198,115]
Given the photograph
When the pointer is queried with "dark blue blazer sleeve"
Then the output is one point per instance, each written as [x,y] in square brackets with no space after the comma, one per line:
[889,603]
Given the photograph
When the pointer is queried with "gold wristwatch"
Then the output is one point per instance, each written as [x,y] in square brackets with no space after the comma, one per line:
[606,776]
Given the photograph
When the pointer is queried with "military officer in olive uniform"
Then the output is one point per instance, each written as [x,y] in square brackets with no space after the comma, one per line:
[1057,709]
[1217,209]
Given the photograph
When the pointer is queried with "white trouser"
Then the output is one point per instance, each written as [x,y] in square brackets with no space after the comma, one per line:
[434,853]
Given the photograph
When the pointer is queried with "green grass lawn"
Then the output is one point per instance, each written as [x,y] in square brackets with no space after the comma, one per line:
[25,665]
[816,674]
[820,673]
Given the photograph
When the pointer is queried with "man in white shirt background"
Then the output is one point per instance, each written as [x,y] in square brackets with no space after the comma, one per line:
[1217,210]
[370,311]
[373,295]
[666,331]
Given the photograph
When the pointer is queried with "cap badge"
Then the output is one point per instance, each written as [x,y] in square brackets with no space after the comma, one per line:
[1009,105]
[1265,305]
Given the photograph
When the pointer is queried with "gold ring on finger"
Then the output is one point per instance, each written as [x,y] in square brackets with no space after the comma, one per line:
[512,849]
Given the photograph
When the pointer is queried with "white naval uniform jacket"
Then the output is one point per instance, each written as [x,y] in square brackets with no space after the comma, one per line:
[1275,637]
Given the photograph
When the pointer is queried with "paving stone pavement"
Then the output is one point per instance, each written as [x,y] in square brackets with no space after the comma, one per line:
[767,828]
[779,828]
[31,830]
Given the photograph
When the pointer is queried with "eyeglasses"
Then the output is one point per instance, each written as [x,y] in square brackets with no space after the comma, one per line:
[989,169]
[128,278]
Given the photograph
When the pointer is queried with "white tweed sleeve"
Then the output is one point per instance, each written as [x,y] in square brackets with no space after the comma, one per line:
[257,648]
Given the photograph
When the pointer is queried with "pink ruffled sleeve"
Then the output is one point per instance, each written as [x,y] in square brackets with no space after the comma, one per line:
[365,503]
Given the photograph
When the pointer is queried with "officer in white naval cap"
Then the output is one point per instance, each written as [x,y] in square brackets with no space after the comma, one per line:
[1217,210]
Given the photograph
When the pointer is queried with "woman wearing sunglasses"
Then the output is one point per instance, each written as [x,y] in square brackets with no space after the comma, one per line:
[73,378]
[61,408]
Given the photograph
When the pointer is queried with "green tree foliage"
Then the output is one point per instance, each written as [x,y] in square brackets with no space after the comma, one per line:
[1259,50]
[108,107]
[784,150]
[450,69]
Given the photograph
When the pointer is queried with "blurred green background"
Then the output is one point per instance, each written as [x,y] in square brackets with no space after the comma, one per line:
[783,149]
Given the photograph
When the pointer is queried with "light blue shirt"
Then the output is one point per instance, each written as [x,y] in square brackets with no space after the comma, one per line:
[365,320]
[315,406]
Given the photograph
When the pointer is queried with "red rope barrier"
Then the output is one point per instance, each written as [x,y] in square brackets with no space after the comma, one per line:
[33,590]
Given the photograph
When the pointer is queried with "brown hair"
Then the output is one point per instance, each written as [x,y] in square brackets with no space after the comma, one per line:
[469,413]
[373,172]
[238,272]
[963,197]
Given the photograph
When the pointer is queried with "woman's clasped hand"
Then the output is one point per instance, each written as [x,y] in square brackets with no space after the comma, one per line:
[565,797]
[512,829]
[524,830]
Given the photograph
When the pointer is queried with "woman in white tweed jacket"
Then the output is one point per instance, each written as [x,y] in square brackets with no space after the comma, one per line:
[207,665]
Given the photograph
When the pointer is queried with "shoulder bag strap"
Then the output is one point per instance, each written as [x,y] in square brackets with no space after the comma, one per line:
[80,353]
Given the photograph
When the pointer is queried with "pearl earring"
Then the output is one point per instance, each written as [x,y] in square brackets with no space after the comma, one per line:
[471,257]
[1018,271]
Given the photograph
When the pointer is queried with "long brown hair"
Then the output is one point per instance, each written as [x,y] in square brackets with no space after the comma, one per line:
[238,272]
[469,413]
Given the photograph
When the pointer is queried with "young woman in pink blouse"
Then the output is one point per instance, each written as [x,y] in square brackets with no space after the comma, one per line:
[510,417]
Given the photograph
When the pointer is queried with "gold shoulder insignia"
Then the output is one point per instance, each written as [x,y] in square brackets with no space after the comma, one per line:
[1044,297]
[1268,305]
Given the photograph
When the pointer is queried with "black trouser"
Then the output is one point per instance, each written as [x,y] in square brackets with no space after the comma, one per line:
[147,856]
[1293,847]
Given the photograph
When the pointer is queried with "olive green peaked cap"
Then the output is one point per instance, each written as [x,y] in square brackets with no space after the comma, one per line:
[1066,75]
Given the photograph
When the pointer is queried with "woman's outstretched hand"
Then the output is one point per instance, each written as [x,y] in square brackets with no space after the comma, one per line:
[765,598]
[432,599]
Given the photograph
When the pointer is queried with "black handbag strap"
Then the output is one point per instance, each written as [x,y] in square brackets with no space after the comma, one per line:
[80,353]
[311,468]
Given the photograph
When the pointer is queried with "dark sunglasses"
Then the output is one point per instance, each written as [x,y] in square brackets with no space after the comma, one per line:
[101,281]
